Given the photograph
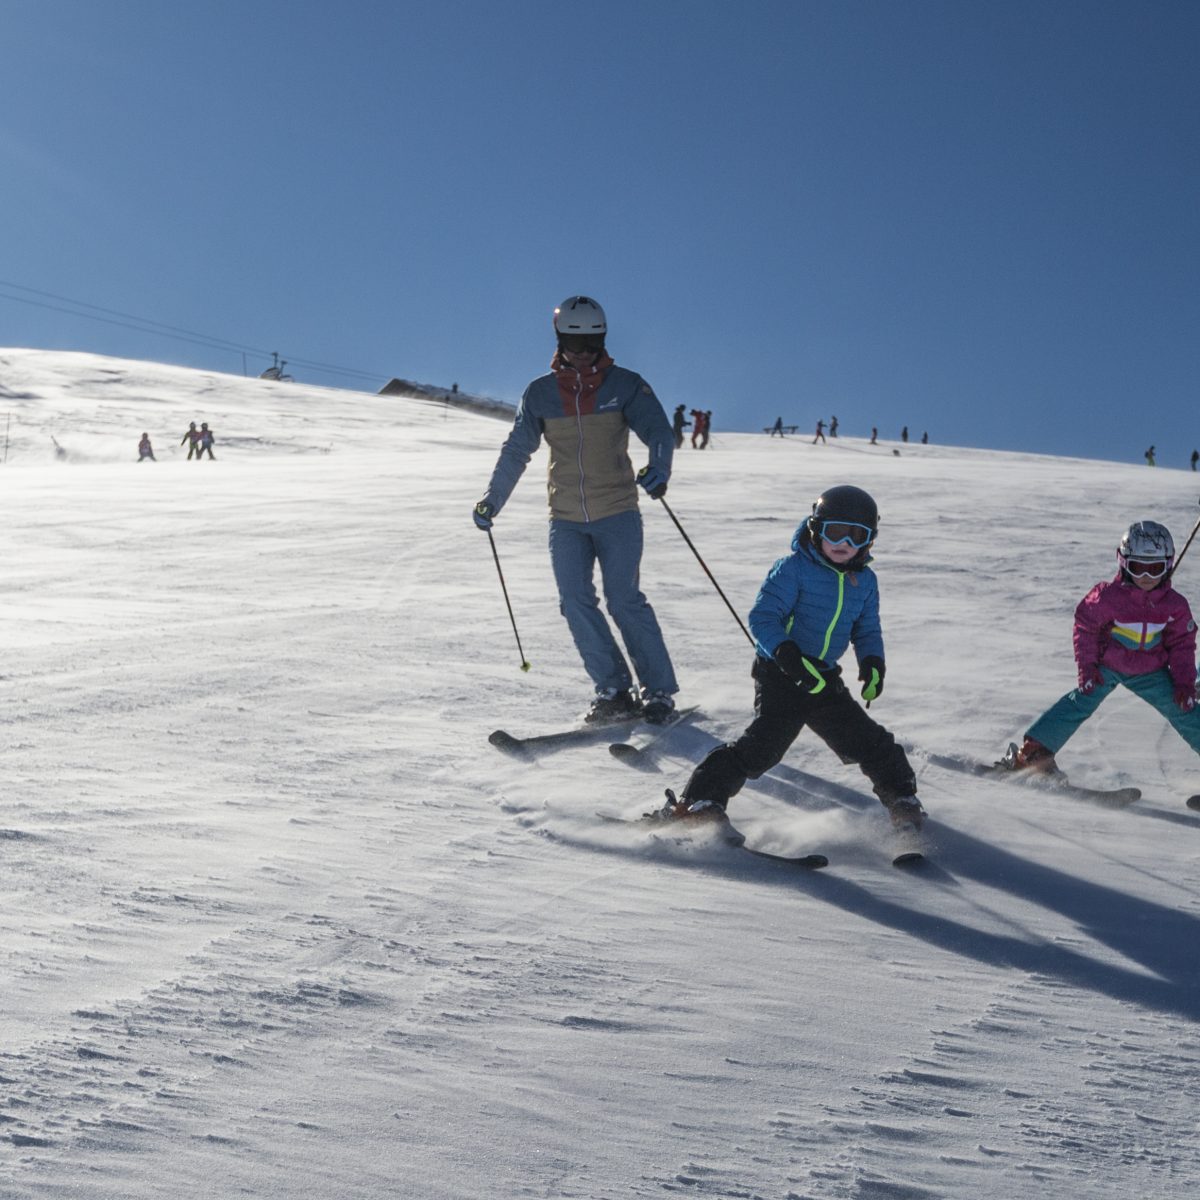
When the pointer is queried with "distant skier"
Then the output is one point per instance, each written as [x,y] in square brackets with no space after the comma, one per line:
[820,433]
[833,427]
[192,439]
[813,605]
[1195,458]
[777,428]
[679,423]
[1135,631]
[1149,457]
[206,442]
[924,439]
[904,434]
[585,408]
[874,436]
[707,428]
[697,415]
[145,450]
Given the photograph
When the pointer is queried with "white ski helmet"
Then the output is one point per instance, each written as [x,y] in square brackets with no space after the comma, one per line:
[580,315]
[1147,542]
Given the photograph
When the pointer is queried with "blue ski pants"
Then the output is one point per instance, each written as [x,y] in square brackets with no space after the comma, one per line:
[1056,726]
[615,543]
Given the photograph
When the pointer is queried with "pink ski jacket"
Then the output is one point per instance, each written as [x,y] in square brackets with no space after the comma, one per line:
[1119,626]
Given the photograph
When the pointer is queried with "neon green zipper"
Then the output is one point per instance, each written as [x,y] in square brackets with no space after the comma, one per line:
[837,612]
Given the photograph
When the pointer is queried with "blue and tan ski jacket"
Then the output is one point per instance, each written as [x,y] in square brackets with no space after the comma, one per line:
[590,475]
[821,609]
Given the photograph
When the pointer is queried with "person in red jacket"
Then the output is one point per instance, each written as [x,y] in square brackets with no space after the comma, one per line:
[1133,631]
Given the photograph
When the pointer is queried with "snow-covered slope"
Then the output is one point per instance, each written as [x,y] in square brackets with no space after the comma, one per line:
[278,922]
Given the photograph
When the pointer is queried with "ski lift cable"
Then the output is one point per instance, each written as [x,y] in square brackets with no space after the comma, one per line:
[161,329]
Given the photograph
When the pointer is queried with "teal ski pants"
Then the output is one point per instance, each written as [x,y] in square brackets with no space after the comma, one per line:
[1057,725]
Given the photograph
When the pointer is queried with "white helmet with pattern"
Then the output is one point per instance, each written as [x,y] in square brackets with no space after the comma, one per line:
[1146,545]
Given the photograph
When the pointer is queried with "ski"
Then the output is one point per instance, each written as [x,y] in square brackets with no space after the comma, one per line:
[906,851]
[637,751]
[1058,784]
[806,862]
[906,845]
[1193,802]
[731,837]
[530,747]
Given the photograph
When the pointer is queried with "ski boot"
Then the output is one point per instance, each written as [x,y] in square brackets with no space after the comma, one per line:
[696,812]
[612,705]
[906,813]
[1031,756]
[657,708]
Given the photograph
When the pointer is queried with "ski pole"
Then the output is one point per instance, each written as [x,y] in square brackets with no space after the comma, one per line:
[1186,544]
[524,661]
[707,572]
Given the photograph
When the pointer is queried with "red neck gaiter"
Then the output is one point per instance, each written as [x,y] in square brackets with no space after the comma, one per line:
[578,388]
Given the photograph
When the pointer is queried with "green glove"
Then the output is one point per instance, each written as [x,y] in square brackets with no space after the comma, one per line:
[811,674]
[871,671]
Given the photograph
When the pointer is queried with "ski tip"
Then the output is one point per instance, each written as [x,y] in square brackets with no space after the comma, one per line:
[634,757]
[507,744]
[624,751]
[1193,802]
[910,858]
[808,862]
[1117,798]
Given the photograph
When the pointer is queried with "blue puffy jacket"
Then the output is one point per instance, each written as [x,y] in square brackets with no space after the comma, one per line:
[821,609]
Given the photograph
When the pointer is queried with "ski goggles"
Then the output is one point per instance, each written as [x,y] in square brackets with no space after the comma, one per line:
[581,343]
[838,532]
[1155,568]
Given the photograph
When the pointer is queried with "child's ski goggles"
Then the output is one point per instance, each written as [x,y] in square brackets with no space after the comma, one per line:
[838,532]
[1154,569]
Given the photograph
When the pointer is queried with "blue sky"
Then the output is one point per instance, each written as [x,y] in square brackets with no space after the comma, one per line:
[971,218]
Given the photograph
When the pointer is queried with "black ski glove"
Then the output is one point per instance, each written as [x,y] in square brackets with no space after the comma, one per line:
[811,675]
[654,480]
[483,513]
[871,671]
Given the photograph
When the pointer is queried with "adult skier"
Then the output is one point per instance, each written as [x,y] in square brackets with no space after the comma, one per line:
[585,408]
[679,423]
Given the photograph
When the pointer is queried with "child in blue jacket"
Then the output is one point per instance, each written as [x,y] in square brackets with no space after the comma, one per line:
[813,605]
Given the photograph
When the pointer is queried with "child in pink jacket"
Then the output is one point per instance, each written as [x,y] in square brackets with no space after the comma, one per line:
[1134,630]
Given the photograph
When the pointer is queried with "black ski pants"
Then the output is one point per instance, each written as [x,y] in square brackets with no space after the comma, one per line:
[781,711]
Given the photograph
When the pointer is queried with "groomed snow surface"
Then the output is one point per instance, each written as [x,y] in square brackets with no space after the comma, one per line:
[278,921]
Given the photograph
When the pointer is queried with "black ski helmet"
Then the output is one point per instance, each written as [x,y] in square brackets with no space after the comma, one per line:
[844,503]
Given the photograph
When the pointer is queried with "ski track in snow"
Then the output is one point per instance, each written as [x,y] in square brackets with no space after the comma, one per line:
[278,922]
